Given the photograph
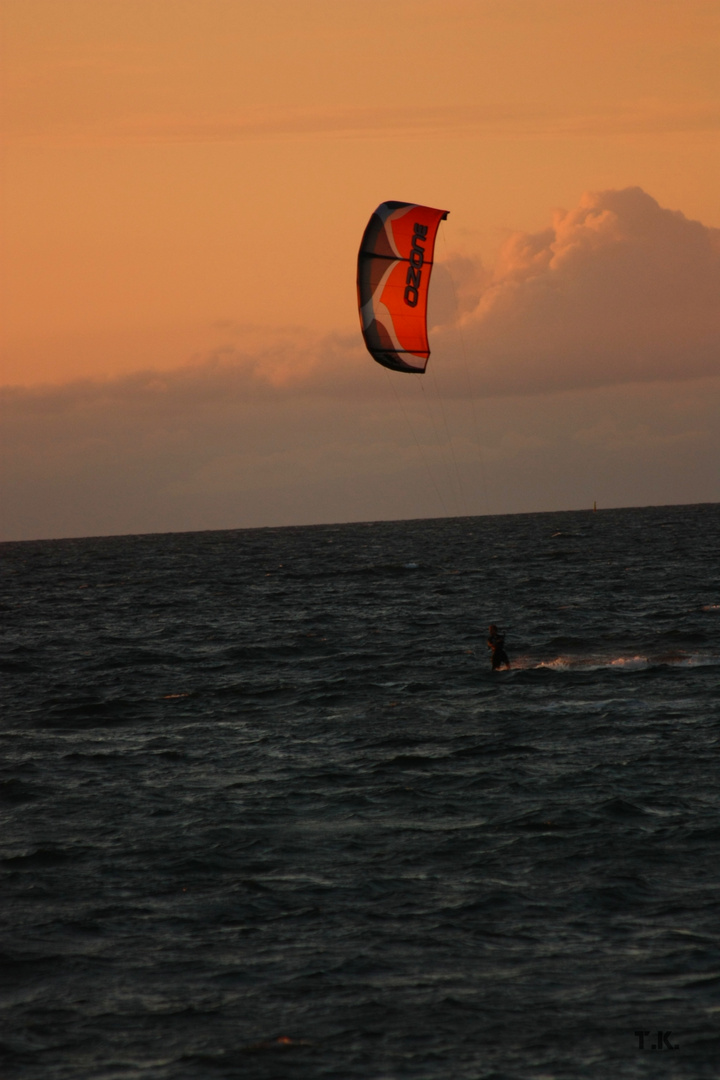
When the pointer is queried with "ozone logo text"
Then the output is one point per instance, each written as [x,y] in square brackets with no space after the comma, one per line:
[417,259]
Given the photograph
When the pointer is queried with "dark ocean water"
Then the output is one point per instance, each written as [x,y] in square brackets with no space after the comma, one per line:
[267,812]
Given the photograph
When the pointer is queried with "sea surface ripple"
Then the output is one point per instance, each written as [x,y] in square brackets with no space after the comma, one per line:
[268,813]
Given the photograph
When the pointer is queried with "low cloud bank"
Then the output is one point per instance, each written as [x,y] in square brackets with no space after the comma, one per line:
[205,454]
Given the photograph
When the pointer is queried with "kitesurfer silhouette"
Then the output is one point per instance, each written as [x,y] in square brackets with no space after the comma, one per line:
[496,643]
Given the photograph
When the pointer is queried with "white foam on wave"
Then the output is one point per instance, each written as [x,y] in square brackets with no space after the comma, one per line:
[617,663]
[631,663]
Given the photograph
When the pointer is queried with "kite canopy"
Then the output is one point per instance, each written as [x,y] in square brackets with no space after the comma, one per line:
[394,266]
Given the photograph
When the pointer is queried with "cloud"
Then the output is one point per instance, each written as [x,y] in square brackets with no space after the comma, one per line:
[616,290]
[651,116]
[540,395]
[209,448]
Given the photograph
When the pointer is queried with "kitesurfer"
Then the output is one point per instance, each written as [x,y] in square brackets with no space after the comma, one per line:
[496,644]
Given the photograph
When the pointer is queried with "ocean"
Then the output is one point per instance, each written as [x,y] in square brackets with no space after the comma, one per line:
[267,812]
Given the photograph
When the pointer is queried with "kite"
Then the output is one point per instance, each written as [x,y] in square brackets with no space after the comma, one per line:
[394,266]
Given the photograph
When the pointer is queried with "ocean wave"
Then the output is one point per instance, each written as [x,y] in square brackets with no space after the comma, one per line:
[636,662]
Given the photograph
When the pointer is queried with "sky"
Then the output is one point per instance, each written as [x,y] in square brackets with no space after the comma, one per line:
[184,187]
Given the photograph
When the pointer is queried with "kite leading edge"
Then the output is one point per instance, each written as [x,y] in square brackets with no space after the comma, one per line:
[394,266]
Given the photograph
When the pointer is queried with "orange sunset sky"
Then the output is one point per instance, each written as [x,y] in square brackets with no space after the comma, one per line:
[185,183]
